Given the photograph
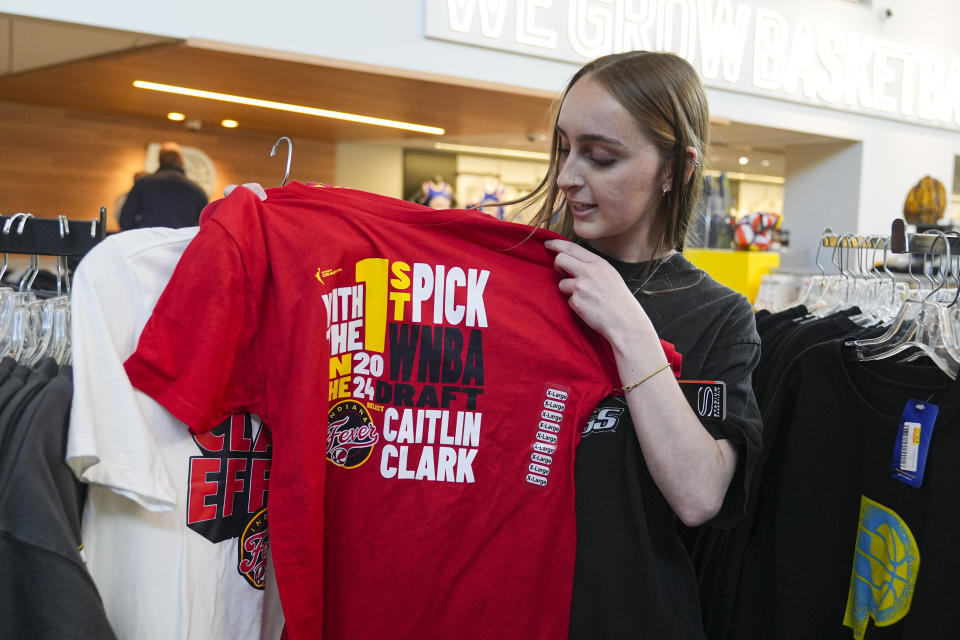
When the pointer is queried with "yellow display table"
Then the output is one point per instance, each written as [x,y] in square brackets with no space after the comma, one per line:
[739,270]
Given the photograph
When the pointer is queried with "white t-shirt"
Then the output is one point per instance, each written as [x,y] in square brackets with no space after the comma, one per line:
[174,528]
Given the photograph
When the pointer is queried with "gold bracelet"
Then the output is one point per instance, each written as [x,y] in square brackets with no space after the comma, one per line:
[644,379]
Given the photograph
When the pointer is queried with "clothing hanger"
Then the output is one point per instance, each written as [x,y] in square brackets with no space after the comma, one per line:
[816,283]
[49,320]
[837,289]
[898,290]
[869,284]
[32,329]
[922,331]
[901,323]
[273,152]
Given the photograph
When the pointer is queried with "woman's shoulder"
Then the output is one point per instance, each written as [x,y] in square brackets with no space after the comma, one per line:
[677,275]
[679,289]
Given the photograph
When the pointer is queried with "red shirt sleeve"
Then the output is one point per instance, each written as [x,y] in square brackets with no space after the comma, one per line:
[196,353]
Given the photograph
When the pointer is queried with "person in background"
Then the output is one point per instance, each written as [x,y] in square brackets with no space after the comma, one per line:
[165,198]
[122,198]
[625,172]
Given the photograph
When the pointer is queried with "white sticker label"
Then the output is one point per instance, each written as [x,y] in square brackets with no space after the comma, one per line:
[556,395]
[553,404]
[543,447]
[552,427]
[542,436]
[539,468]
[542,459]
[551,415]
[540,481]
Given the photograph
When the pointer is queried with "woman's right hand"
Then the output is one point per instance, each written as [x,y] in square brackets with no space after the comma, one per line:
[597,293]
[252,186]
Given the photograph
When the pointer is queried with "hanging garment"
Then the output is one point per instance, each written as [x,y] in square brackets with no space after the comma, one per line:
[46,592]
[492,194]
[437,195]
[13,380]
[394,342]
[175,527]
[719,554]
[839,422]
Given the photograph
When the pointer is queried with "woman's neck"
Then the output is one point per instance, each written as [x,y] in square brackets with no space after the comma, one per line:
[631,253]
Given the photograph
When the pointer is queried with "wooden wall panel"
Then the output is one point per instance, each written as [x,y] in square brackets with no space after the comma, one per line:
[55,161]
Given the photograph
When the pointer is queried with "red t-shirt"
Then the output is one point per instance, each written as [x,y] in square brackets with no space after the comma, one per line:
[425,383]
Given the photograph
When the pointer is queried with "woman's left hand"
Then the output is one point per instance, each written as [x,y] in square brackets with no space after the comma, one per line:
[597,292]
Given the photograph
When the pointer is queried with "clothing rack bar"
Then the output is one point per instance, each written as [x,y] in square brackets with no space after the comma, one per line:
[853,242]
[42,236]
[920,243]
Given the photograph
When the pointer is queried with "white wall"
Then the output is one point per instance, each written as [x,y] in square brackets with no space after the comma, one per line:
[823,189]
[393,33]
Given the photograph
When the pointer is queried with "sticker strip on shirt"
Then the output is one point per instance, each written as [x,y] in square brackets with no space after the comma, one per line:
[547,435]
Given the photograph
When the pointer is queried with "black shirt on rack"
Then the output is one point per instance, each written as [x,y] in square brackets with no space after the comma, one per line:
[838,421]
[46,592]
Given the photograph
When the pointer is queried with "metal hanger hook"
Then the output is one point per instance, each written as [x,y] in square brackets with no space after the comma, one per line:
[9,223]
[943,279]
[63,277]
[273,152]
[956,275]
[827,233]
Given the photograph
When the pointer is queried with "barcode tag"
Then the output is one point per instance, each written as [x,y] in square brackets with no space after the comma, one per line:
[909,445]
[913,444]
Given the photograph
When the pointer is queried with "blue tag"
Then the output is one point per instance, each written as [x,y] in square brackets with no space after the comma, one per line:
[913,442]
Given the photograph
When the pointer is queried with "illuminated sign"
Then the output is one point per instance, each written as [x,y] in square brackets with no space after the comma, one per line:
[733,45]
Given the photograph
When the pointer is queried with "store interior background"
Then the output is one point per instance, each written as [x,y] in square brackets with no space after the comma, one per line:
[74,130]
[71,117]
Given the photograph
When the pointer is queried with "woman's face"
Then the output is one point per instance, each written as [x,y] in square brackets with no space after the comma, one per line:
[610,173]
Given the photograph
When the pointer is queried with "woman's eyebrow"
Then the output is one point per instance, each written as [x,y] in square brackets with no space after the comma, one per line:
[593,137]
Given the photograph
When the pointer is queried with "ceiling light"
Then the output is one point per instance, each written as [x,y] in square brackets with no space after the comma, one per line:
[492,151]
[176,117]
[229,124]
[284,106]
[764,163]
[743,160]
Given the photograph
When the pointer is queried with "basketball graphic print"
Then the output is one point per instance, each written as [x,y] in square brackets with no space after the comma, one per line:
[351,434]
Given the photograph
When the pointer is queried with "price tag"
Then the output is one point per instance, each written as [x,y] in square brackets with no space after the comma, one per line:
[913,441]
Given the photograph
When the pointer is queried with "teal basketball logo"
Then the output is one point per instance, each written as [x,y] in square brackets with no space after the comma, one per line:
[885,565]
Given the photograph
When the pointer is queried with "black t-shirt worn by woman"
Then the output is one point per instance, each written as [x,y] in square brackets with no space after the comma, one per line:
[634,577]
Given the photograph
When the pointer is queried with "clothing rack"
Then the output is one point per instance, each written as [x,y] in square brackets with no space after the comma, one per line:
[920,243]
[849,241]
[24,233]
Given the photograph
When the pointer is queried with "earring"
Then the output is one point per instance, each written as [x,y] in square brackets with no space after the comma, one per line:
[665,189]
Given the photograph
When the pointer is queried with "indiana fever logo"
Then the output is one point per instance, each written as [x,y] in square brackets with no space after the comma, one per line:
[351,434]
[253,550]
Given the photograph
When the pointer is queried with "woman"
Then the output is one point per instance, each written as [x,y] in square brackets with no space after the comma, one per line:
[625,174]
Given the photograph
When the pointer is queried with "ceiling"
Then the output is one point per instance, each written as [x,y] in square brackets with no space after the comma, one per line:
[88,68]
